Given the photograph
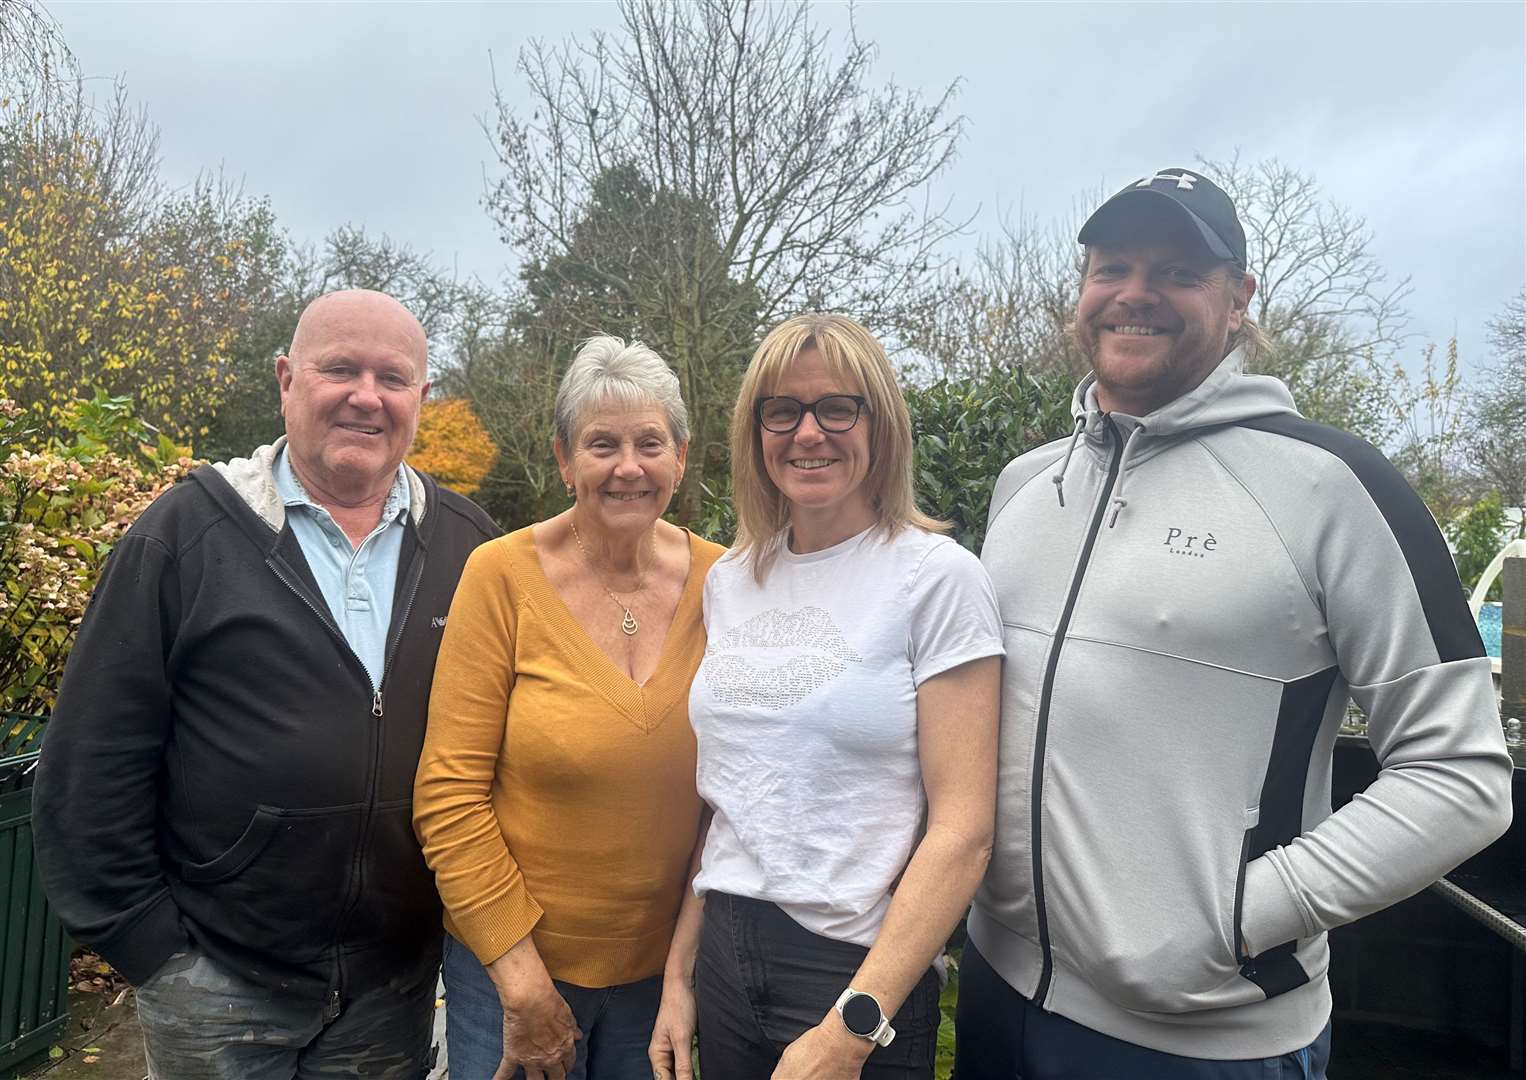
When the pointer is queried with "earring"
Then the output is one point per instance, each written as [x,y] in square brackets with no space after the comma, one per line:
[572,492]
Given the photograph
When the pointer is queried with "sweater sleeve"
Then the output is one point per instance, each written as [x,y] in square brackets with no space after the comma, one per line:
[478,879]
[1406,644]
[94,806]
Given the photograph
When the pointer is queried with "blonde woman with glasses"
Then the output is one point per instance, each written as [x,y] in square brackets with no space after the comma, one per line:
[846,717]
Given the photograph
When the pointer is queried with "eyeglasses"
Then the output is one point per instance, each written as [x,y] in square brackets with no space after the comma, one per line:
[835,413]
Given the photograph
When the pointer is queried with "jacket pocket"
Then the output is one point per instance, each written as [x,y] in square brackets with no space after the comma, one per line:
[1252,819]
[1163,939]
[245,849]
[281,888]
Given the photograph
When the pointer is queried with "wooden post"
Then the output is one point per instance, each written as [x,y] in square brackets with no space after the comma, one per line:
[1513,640]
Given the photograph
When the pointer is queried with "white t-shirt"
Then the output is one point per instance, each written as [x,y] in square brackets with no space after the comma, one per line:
[805,710]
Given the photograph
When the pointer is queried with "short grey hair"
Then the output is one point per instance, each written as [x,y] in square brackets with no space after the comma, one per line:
[608,371]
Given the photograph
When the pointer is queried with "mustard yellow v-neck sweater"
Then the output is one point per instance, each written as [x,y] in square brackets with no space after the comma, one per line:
[554,795]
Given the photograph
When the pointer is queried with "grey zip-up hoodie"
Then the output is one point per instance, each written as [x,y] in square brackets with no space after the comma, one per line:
[1188,600]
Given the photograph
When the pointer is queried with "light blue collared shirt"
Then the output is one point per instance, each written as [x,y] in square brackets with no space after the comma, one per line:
[357,582]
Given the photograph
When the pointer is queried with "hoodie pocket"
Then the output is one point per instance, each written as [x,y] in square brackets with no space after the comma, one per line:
[281,887]
[1162,940]
[1252,819]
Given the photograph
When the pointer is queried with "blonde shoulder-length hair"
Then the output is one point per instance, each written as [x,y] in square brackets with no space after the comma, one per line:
[858,360]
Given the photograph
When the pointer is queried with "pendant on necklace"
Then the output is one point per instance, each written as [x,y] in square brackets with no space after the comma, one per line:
[628,624]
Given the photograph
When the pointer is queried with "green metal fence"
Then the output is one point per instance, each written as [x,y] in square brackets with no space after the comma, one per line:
[34,950]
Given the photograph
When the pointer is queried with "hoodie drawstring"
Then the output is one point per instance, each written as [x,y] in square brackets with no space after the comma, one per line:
[1118,501]
[1058,478]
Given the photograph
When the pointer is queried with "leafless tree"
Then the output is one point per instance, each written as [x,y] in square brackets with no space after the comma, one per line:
[1012,303]
[117,144]
[1429,405]
[1496,439]
[33,55]
[760,174]
[352,260]
[1322,297]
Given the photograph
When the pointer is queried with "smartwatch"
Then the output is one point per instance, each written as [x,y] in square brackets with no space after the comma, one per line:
[862,1016]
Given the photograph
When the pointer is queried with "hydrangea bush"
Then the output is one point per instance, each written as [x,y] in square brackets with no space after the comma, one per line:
[64,503]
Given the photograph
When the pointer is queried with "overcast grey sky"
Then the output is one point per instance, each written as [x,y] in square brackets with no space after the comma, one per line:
[1413,115]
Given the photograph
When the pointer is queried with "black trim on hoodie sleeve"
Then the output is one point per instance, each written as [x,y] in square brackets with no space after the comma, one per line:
[1430,563]
[1299,715]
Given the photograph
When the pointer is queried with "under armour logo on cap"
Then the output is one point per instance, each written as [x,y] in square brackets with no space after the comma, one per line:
[1183,180]
[1172,194]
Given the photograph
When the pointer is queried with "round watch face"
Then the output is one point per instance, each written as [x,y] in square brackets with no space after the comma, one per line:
[861,1015]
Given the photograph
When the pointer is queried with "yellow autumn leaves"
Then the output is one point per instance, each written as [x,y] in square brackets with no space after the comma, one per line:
[99,293]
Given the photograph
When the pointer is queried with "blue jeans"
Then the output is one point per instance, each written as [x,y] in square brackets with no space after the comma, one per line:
[1001,1035]
[617,1023]
[203,1022]
[763,980]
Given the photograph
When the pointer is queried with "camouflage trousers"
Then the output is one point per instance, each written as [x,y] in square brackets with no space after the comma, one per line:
[202,1022]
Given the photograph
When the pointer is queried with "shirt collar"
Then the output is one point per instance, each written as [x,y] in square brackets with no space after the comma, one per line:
[293,493]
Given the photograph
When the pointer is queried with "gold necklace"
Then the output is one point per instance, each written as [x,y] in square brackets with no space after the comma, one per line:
[628,625]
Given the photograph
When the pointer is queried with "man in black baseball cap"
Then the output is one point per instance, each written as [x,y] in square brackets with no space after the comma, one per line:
[1179,194]
[1164,289]
[1194,585]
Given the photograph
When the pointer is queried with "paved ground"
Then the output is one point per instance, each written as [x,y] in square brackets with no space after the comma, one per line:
[104,1042]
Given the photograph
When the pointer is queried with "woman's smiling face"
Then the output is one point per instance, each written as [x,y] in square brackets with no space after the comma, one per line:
[623,466]
[820,472]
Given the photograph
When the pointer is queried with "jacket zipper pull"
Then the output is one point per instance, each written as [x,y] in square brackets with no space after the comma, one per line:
[376,704]
[332,1007]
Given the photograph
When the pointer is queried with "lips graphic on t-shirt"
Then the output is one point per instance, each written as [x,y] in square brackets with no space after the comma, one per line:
[811,651]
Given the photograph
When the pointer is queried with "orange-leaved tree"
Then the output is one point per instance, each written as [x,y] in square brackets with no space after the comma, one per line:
[453,446]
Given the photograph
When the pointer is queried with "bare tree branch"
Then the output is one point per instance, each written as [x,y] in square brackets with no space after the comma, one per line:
[717,164]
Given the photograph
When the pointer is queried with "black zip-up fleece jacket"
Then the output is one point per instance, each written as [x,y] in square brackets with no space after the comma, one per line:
[219,768]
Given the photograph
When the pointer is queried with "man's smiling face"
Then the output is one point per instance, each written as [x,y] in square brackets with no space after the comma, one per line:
[1154,317]
[351,396]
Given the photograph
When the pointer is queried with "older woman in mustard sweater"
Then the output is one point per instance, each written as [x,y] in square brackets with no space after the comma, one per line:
[555,797]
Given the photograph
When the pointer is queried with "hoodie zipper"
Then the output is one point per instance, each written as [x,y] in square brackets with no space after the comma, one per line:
[415,572]
[275,563]
[378,710]
[1036,809]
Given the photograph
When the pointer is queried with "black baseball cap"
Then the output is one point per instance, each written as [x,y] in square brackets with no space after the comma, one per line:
[1185,193]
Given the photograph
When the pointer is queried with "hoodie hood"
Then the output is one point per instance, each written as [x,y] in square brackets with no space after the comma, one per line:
[1226,396]
[253,480]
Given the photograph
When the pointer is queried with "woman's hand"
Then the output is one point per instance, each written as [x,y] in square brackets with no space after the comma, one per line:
[541,1035]
[539,1032]
[828,1051]
[672,1046]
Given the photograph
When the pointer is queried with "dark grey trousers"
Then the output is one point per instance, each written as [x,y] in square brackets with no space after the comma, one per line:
[763,980]
[202,1022]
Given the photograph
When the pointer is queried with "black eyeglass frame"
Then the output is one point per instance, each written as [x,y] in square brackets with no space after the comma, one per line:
[810,407]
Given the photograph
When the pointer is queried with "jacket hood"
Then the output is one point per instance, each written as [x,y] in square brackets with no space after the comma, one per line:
[1226,396]
[253,480]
